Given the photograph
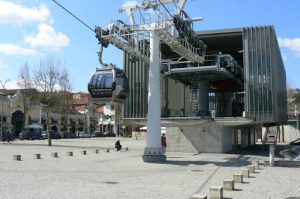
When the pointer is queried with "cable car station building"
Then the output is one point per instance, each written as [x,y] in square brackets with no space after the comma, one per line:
[224,102]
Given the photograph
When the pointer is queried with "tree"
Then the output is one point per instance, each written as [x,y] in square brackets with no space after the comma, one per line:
[65,96]
[49,79]
[25,85]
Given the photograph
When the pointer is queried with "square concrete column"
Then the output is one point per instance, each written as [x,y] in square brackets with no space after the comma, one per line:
[70,153]
[228,184]
[199,196]
[238,178]
[245,173]
[83,152]
[216,192]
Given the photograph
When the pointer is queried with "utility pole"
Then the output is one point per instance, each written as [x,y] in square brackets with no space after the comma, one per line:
[3,87]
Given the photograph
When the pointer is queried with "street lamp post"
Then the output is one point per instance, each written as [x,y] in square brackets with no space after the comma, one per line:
[3,87]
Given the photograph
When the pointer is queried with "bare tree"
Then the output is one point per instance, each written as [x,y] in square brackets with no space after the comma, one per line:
[65,96]
[48,79]
[25,85]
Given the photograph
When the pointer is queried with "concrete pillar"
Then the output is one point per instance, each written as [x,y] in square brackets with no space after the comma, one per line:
[245,173]
[199,196]
[271,154]
[244,137]
[224,104]
[228,185]
[251,169]
[70,153]
[54,155]
[37,156]
[203,98]
[17,157]
[153,151]
[215,192]
[238,178]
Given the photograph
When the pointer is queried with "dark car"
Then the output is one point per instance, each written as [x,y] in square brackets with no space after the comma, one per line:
[295,142]
[30,135]
[7,136]
[66,134]
[54,135]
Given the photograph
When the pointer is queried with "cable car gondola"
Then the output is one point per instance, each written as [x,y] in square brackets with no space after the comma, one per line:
[108,84]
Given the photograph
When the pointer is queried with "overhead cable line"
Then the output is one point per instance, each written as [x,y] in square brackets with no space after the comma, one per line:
[74,15]
[165,8]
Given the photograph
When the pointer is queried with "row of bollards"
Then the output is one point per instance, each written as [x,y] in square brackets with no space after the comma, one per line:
[55,154]
[216,192]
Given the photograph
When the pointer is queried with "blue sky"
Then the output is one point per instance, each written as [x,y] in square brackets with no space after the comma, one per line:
[32,29]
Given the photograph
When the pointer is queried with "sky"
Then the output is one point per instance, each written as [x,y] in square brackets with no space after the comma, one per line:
[31,30]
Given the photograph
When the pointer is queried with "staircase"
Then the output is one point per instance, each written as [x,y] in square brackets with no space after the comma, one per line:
[270,136]
[194,100]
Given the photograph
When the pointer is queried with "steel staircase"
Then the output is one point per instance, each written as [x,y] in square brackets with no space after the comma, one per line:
[194,99]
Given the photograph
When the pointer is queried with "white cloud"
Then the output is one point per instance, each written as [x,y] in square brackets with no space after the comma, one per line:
[2,65]
[292,44]
[13,49]
[130,4]
[12,13]
[47,37]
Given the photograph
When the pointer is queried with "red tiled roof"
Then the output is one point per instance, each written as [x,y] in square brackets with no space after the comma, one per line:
[80,101]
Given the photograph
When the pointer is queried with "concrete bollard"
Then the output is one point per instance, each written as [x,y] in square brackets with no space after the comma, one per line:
[70,153]
[251,169]
[126,148]
[228,185]
[96,151]
[107,150]
[245,173]
[17,157]
[199,196]
[256,165]
[37,156]
[83,152]
[216,192]
[238,178]
[54,155]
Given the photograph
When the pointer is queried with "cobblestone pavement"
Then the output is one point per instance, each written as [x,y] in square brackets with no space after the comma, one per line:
[125,175]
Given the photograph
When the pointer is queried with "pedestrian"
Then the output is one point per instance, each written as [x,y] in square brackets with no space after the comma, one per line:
[118,145]
[163,140]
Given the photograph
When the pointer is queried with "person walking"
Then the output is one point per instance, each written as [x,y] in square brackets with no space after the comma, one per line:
[163,140]
[118,145]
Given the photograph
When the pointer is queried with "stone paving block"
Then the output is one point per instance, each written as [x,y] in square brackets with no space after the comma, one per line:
[228,184]
[199,196]
[245,173]
[17,157]
[216,192]
[238,178]
[37,156]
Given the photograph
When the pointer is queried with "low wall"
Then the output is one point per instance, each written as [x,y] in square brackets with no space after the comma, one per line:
[205,137]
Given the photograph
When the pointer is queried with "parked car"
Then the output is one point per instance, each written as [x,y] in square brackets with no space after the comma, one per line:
[30,135]
[295,142]
[66,134]
[82,134]
[54,135]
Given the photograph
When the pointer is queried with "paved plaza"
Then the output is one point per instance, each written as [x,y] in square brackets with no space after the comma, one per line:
[124,175]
